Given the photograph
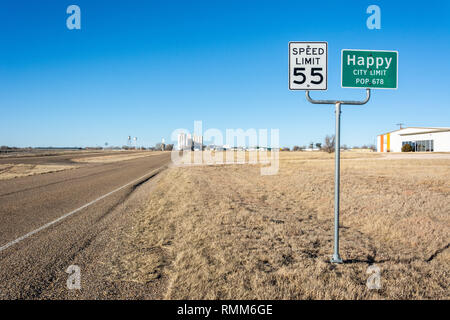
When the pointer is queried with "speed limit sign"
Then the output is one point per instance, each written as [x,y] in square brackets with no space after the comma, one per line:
[308,65]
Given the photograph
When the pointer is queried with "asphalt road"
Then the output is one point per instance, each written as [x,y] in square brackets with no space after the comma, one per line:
[56,157]
[34,267]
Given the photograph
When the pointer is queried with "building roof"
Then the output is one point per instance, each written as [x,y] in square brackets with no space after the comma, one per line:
[432,129]
[423,132]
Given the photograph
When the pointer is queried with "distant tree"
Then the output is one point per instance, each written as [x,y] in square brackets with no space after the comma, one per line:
[296,148]
[344,147]
[373,147]
[158,146]
[285,149]
[168,147]
[318,145]
[328,144]
[311,145]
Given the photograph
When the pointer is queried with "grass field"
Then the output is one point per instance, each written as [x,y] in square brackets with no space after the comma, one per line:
[226,232]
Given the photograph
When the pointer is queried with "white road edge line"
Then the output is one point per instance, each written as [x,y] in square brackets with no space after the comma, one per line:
[45,226]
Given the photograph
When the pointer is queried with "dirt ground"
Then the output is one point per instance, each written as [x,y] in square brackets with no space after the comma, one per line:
[416,155]
[226,232]
[11,171]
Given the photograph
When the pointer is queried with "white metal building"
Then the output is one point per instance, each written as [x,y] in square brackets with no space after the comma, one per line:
[188,141]
[182,141]
[419,138]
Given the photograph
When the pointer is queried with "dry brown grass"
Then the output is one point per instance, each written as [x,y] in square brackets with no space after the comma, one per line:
[226,232]
[117,157]
[11,171]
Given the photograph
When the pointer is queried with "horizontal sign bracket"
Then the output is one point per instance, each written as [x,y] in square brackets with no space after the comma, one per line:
[341,102]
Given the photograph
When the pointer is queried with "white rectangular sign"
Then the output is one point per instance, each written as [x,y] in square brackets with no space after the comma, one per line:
[308,65]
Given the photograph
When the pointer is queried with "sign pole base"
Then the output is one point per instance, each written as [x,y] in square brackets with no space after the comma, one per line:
[336,259]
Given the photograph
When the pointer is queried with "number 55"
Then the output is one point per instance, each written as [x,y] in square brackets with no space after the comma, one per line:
[298,72]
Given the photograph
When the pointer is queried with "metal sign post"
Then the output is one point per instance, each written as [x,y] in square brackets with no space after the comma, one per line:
[337,152]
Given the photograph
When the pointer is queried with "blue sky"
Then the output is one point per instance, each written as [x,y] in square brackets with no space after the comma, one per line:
[146,68]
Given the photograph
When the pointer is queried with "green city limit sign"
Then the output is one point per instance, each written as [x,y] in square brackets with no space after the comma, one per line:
[369,69]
